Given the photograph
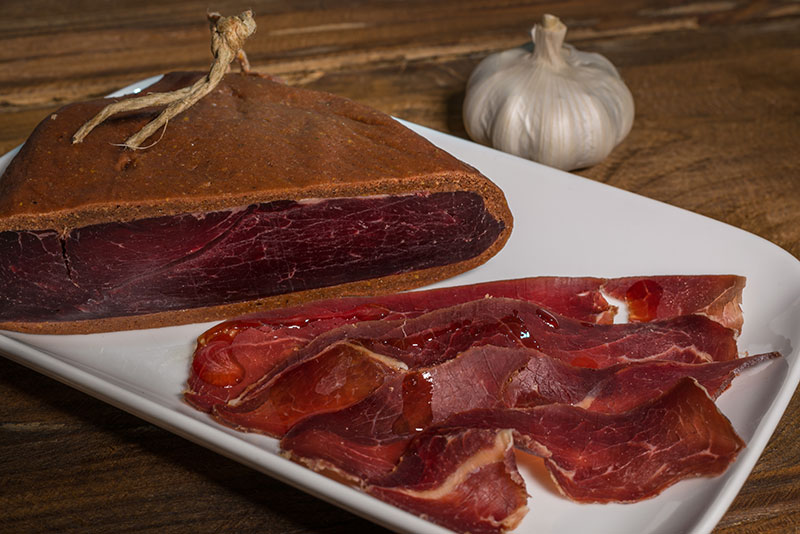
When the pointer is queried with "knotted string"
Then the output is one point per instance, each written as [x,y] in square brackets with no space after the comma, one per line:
[228,35]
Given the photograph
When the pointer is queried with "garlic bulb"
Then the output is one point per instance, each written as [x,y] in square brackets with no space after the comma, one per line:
[555,105]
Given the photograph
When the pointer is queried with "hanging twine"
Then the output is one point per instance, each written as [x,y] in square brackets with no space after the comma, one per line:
[228,35]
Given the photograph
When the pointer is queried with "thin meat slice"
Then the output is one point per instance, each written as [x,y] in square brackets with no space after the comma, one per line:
[234,354]
[718,297]
[345,374]
[464,479]
[339,376]
[624,457]
[442,334]
[614,389]
[367,439]
[290,356]
[427,397]
[415,355]
[222,369]
[592,457]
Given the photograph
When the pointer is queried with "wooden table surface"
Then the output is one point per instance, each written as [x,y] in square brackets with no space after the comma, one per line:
[717,92]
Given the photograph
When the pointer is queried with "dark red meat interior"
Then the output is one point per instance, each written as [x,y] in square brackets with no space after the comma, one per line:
[196,260]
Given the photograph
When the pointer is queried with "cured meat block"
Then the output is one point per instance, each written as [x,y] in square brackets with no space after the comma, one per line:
[234,354]
[261,195]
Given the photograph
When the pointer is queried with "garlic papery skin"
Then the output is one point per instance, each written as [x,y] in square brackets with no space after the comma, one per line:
[556,105]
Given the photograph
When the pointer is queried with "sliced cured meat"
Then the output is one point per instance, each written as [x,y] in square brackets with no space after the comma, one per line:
[443,333]
[578,298]
[236,357]
[366,439]
[396,400]
[221,370]
[718,297]
[417,400]
[622,457]
[338,377]
[614,389]
[265,352]
[234,354]
[593,457]
[463,479]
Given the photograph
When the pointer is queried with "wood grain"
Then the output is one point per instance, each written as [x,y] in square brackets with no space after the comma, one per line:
[716,86]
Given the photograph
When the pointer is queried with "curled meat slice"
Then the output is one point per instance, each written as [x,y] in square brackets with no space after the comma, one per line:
[463,479]
[593,457]
[366,439]
[623,457]
[717,297]
[236,353]
[443,334]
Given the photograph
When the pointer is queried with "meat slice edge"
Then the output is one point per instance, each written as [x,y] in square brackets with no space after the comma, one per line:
[366,440]
[443,334]
[625,457]
[273,335]
[465,480]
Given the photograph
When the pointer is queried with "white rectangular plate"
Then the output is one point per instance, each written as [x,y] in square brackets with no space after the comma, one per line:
[564,225]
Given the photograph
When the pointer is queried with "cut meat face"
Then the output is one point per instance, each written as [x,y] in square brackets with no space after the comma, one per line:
[200,260]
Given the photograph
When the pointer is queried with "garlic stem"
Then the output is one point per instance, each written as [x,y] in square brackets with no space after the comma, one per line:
[548,41]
